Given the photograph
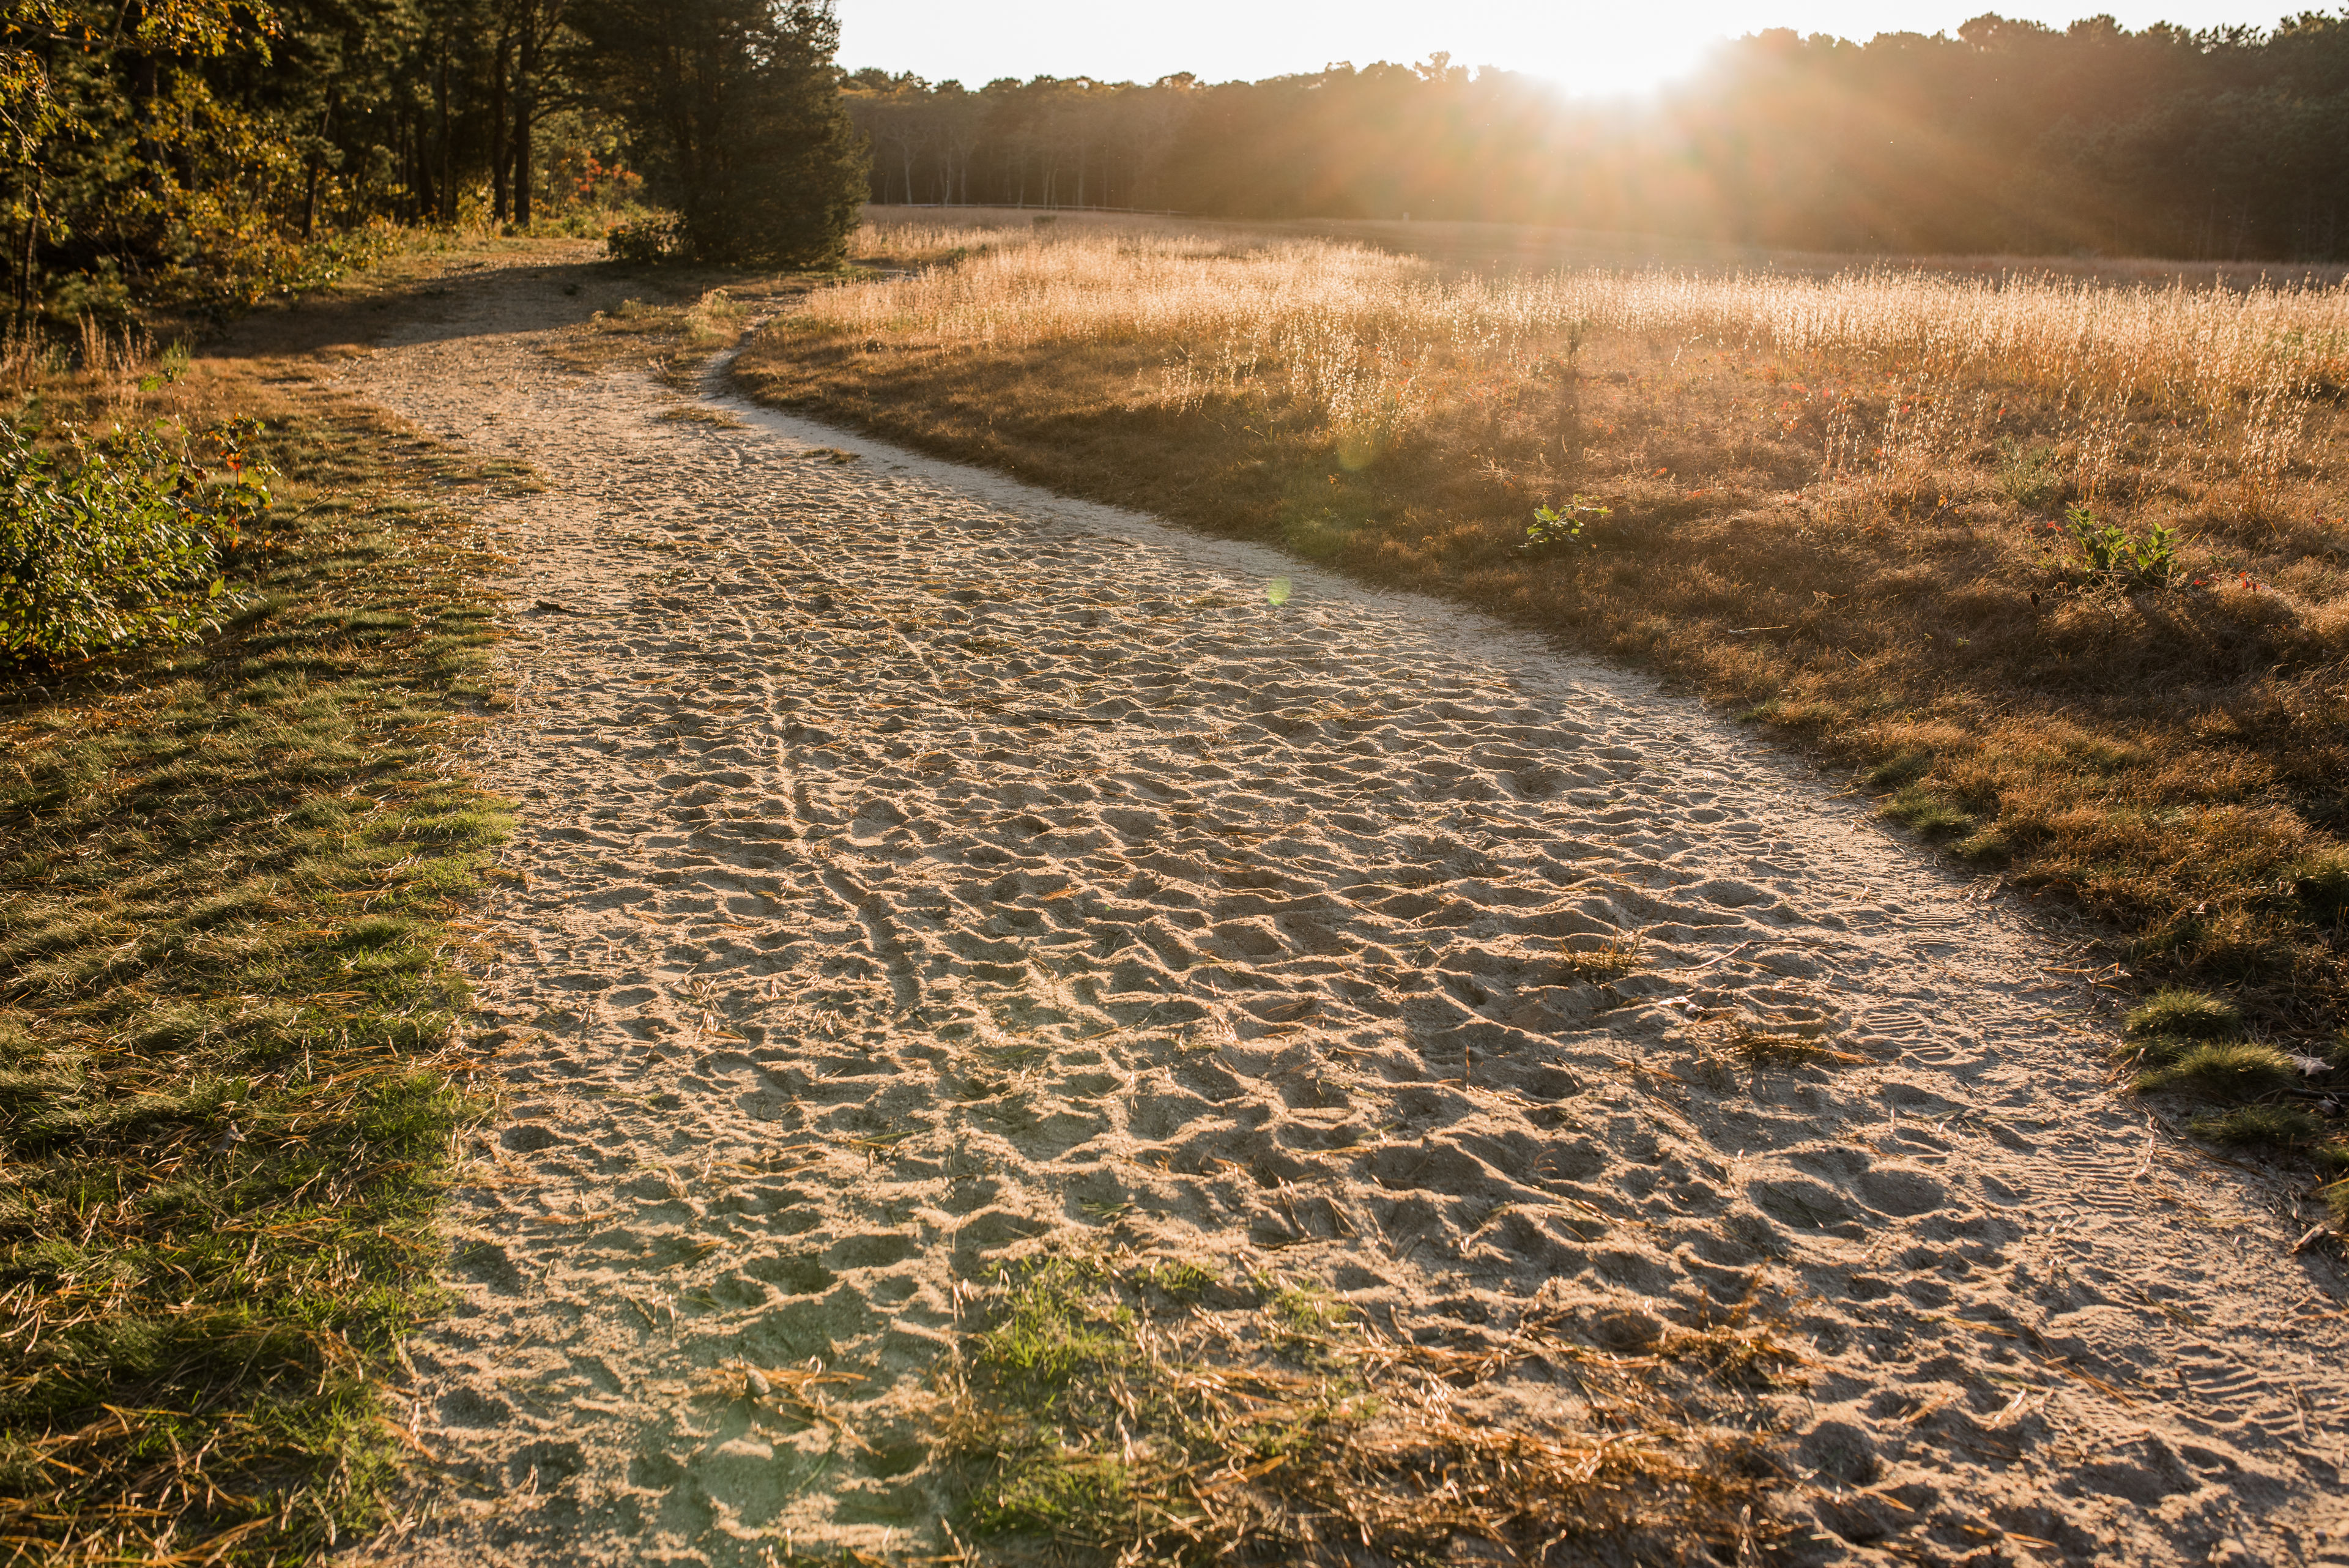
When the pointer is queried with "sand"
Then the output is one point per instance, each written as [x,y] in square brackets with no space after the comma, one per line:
[916,871]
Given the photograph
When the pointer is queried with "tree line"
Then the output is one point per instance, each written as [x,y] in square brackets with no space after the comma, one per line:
[2228,143]
[203,149]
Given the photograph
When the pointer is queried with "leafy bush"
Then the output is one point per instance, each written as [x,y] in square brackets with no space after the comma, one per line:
[2107,549]
[1564,524]
[647,241]
[120,540]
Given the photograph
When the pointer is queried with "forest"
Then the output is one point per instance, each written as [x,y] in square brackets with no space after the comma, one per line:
[2011,137]
[210,152]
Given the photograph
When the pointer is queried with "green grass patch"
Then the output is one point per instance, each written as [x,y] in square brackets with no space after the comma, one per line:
[2235,1069]
[2260,1126]
[1158,1414]
[228,1087]
[1925,814]
[2188,1014]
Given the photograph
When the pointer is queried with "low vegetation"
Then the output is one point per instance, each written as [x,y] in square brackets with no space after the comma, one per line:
[1161,1412]
[228,1083]
[2267,1096]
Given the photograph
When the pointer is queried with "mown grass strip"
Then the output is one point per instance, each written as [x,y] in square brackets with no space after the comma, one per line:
[228,1081]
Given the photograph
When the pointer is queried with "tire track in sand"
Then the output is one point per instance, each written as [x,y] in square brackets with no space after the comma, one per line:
[920,870]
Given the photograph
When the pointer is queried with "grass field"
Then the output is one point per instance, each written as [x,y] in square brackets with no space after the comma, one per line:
[229,1078]
[2058,565]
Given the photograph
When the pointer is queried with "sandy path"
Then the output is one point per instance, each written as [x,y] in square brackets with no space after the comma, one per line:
[919,867]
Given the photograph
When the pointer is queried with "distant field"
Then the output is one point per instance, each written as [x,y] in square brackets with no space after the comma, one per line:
[2059,562]
[1460,243]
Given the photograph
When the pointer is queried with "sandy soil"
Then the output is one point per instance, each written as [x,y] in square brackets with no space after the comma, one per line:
[917,870]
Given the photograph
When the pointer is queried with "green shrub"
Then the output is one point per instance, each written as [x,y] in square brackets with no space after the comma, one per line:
[2107,549]
[1564,524]
[647,241]
[119,540]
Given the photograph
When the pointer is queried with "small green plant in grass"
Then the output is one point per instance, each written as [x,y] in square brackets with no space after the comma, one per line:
[1304,1317]
[2109,550]
[170,367]
[1177,1279]
[1055,1325]
[2027,474]
[1555,525]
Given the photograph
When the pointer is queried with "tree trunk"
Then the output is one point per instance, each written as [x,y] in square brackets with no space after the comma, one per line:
[498,121]
[448,145]
[25,291]
[525,107]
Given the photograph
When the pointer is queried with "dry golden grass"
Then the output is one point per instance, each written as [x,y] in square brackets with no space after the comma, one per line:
[1839,502]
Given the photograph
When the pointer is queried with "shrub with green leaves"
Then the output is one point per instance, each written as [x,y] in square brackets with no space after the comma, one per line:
[2107,549]
[119,540]
[1564,524]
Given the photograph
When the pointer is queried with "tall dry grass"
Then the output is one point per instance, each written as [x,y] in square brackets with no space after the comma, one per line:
[1375,342]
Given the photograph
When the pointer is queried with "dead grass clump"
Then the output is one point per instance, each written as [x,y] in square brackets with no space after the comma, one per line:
[1105,1411]
[1758,1048]
[1611,959]
[695,414]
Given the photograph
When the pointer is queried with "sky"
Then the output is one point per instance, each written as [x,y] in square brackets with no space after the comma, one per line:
[1595,48]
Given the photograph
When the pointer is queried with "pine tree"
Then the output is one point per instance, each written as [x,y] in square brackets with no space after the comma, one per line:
[736,114]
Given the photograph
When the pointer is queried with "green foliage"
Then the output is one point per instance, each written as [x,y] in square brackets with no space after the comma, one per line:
[119,541]
[735,110]
[2027,475]
[648,242]
[224,1102]
[2188,1014]
[2107,549]
[1564,524]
